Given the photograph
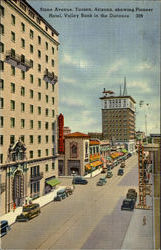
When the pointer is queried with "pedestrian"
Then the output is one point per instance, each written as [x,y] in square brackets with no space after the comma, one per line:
[14,206]
[144,220]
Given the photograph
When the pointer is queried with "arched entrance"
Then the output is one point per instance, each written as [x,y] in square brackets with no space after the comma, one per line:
[18,188]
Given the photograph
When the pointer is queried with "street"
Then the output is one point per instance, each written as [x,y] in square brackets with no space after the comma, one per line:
[91,218]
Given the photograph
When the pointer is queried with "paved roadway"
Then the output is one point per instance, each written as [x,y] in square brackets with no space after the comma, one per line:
[91,218]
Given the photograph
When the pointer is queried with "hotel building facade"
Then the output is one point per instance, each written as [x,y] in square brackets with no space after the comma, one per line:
[118,119]
[28,103]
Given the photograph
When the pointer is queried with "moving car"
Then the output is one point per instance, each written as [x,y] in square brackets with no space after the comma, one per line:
[61,194]
[122,165]
[4,227]
[79,180]
[120,171]
[102,181]
[108,167]
[109,174]
[69,190]
[128,204]
[132,194]
[28,212]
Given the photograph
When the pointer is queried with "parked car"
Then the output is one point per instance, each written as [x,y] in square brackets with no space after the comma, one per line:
[79,180]
[128,204]
[61,194]
[29,212]
[133,191]
[108,167]
[109,174]
[120,171]
[122,165]
[69,190]
[4,228]
[132,194]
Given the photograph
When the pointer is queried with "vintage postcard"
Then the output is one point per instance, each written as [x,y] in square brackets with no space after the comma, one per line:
[80,124]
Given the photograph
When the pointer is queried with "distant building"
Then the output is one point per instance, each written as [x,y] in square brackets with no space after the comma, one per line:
[118,118]
[95,135]
[155,138]
[67,130]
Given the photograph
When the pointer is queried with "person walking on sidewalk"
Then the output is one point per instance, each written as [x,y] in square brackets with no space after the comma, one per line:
[144,220]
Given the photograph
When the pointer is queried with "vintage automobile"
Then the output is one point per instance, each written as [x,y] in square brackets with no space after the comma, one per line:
[109,174]
[102,181]
[128,204]
[28,212]
[122,165]
[61,194]
[120,171]
[79,180]
[103,171]
[108,167]
[4,228]
[132,194]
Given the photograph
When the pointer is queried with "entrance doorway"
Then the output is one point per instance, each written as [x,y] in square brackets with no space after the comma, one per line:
[18,188]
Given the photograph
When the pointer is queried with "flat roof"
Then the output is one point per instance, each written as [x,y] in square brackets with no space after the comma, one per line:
[117,97]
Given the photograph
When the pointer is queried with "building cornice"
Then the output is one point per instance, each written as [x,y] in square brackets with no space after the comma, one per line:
[116,97]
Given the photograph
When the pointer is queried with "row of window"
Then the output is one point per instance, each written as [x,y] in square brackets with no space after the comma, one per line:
[22,92]
[23,124]
[23,29]
[22,138]
[31,107]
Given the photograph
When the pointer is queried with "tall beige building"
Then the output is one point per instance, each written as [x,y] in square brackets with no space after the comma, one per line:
[28,103]
[118,118]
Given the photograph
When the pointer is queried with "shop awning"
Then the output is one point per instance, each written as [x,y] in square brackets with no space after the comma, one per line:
[53,182]
[96,163]
[124,150]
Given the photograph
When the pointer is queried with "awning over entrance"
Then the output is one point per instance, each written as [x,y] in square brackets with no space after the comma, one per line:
[93,165]
[53,182]
[124,150]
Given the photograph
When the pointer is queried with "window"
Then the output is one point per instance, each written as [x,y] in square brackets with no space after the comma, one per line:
[1,158]
[1,103]
[52,63]
[52,50]
[46,125]
[12,87]
[46,112]
[22,43]
[22,91]
[31,34]
[1,121]
[46,46]
[1,47]
[12,122]
[31,154]
[22,58]
[31,93]
[53,113]
[53,138]
[39,124]
[39,110]
[31,48]
[38,20]
[39,82]
[12,139]
[47,85]
[31,124]
[22,107]
[13,71]
[53,88]
[53,165]
[23,27]
[39,40]
[46,138]
[22,74]
[1,29]
[39,153]
[1,65]
[39,67]
[13,20]
[13,37]
[22,138]
[47,151]
[1,11]
[31,139]
[46,167]
[22,123]
[31,109]
[31,63]
[1,139]
[47,98]
[39,139]
[46,59]
[39,96]
[46,28]
[1,84]
[31,14]
[39,53]
[12,105]
[53,100]
[31,78]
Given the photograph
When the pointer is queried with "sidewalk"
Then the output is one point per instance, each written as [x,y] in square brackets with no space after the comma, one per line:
[139,236]
[43,200]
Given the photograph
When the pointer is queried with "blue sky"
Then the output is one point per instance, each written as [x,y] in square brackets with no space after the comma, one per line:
[97,53]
